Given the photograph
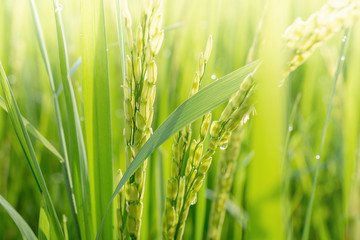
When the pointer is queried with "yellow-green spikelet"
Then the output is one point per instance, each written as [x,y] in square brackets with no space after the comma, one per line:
[199,163]
[303,37]
[176,183]
[224,177]
[139,97]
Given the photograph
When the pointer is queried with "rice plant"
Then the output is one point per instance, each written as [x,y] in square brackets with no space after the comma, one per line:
[160,119]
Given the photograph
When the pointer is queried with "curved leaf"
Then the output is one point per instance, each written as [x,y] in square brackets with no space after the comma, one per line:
[44,225]
[201,103]
[24,228]
[32,130]
[65,153]
[24,139]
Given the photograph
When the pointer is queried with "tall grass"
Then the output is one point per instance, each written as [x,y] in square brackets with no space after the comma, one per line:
[91,101]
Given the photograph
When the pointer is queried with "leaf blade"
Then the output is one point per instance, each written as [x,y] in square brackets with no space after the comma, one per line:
[192,109]
[61,133]
[23,227]
[78,157]
[28,149]
[33,131]
[97,108]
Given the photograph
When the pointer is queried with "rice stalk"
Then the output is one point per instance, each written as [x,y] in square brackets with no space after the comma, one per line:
[302,38]
[223,184]
[227,162]
[236,112]
[182,139]
[139,97]
[227,166]
[189,111]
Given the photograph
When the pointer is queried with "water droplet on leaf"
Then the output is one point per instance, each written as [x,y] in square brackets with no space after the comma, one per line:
[194,201]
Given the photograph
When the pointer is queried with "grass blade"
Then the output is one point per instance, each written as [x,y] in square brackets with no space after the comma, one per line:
[28,149]
[44,226]
[192,109]
[75,66]
[60,128]
[339,67]
[73,69]
[32,130]
[97,110]
[24,228]
[286,166]
[78,158]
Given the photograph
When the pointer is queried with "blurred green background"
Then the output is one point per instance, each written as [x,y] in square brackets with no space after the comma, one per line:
[188,23]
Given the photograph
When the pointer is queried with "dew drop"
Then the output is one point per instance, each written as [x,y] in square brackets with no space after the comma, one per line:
[342,58]
[317,157]
[290,128]
[245,119]
[194,201]
[213,76]
[343,39]
[223,147]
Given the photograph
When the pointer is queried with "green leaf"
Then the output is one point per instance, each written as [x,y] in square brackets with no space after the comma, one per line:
[339,67]
[32,130]
[78,157]
[75,66]
[201,103]
[73,69]
[28,149]
[64,152]
[45,230]
[44,226]
[97,110]
[24,228]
